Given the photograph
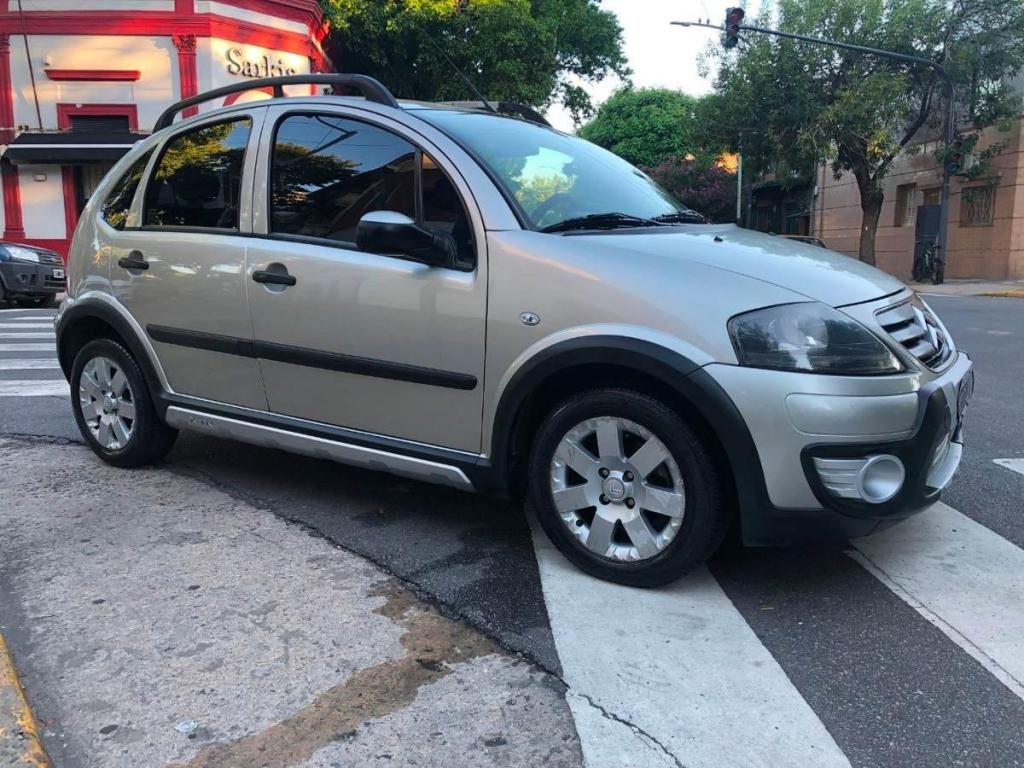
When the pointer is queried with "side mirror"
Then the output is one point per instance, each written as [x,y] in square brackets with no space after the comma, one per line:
[395,233]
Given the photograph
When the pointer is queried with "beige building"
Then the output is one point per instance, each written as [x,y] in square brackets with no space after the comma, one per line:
[986,215]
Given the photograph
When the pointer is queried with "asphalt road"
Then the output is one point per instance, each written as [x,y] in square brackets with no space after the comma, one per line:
[890,681]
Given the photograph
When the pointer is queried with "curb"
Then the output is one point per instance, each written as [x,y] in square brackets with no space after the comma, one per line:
[19,732]
[1004,294]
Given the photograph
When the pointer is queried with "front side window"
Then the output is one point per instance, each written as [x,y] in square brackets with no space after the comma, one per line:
[198,181]
[119,202]
[553,177]
[327,172]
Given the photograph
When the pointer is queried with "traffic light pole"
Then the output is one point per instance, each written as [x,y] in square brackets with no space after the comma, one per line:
[938,69]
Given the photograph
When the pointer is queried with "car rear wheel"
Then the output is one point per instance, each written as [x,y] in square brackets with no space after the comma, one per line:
[113,408]
[625,489]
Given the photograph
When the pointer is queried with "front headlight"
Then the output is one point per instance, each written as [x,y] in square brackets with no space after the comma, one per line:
[809,337]
[17,253]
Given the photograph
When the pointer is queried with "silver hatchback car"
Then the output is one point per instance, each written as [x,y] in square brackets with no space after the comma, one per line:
[472,299]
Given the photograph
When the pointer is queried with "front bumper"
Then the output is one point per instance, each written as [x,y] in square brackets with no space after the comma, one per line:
[802,423]
[30,279]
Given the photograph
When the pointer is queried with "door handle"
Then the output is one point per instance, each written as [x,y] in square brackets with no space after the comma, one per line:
[134,260]
[266,277]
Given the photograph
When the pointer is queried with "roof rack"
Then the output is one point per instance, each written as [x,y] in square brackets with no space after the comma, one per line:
[371,89]
[528,113]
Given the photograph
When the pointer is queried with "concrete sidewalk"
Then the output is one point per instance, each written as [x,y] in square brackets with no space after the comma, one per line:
[157,620]
[1007,288]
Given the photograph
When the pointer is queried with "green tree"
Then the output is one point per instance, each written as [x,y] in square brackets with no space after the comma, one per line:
[531,51]
[698,184]
[798,104]
[645,126]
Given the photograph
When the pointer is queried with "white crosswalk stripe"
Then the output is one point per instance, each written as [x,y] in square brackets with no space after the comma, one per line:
[688,681]
[1015,465]
[30,388]
[681,664]
[25,364]
[965,579]
[28,347]
[27,335]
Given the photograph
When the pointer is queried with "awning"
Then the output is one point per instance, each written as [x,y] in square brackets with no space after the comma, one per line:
[72,148]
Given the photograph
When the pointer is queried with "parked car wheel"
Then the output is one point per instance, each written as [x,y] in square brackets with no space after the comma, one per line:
[625,489]
[43,302]
[113,408]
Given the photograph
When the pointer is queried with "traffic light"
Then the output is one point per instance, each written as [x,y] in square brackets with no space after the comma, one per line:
[733,20]
[955,158]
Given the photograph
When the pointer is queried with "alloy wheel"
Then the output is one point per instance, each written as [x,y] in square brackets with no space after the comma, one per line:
[617,489]
[107,403]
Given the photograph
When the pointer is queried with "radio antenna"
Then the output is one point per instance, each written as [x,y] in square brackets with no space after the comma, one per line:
[469,83]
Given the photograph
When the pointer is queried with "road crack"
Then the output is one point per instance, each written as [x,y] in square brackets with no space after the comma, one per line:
[643,734]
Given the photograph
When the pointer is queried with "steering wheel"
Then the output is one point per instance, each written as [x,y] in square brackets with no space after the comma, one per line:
[562,202]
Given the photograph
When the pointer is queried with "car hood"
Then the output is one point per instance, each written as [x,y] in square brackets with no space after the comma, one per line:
[808,270]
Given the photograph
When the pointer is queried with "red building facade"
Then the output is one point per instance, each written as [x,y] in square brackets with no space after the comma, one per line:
[81,80]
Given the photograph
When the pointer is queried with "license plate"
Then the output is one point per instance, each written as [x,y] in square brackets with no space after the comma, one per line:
[963,396]
[59,274]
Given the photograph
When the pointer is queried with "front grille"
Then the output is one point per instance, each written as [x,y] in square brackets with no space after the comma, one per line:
[50,259]
[913,326]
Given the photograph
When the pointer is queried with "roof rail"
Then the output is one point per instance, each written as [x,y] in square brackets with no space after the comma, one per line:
[528,113]
[371,89]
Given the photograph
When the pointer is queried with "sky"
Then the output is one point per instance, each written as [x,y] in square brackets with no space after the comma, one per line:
[660,55]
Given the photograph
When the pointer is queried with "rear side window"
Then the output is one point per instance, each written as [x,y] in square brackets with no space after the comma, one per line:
[119,201]
[198,181]
[328,172]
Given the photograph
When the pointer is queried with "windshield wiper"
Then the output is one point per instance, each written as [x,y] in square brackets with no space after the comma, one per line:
[682,217]
[602,221]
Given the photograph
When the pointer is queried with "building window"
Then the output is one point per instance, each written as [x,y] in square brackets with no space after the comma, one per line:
[906,205]
[100,123]
[977,206]
[931,196]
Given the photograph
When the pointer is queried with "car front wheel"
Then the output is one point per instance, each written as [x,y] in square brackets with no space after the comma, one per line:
[625,489]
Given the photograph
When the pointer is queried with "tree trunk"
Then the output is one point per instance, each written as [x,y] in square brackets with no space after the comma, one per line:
[871,196]
[871,209]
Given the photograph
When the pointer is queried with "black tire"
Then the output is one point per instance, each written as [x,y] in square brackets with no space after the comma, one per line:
[43,302]
[150,439]
[705,520]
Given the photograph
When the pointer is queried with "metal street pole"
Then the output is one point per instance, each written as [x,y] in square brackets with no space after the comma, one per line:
[950,118]
[739,187]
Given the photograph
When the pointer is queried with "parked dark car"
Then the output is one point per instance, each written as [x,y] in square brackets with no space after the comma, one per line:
[30,277]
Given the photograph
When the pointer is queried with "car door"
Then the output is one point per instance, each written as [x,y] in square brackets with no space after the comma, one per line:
[366,341]
[181,271]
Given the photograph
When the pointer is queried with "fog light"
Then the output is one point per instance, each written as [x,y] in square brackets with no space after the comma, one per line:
[881,479]
[874,479]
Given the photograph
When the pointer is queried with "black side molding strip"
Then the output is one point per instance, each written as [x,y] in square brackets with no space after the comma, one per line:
[312,358]
[211,342]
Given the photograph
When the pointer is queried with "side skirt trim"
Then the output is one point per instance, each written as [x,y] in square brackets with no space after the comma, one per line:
[317,447]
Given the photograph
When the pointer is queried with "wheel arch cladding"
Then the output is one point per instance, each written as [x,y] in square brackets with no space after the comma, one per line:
[84,322]
[597,361]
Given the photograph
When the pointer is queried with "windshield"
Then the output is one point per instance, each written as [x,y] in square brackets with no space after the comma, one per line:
[557,178]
